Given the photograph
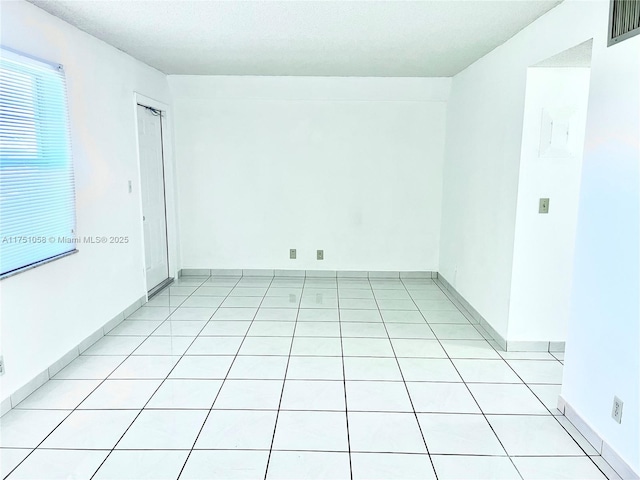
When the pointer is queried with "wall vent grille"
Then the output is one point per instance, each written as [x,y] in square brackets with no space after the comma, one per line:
[624,20]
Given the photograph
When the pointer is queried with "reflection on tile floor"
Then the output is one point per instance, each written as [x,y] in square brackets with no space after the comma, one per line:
[293,378]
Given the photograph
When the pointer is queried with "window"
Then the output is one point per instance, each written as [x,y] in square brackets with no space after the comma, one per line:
[37,195]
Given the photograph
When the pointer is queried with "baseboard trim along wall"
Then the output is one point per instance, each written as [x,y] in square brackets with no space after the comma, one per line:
[43,377]
[472,314]
[190,272]
[622,468]
[506,345]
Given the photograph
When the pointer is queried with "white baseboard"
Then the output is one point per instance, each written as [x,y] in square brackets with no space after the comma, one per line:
[622,468]
[43,377]
[472,314]
[188,272]
[504,344]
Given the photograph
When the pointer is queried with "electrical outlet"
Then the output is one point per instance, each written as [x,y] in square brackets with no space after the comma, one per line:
[292,253]
[320,255]
[616,411]
[543,207]
[1,365]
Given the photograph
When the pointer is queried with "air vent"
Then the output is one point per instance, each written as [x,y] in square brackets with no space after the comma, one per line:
[624,20]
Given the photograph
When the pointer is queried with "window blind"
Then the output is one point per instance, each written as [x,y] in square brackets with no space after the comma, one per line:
[37,194]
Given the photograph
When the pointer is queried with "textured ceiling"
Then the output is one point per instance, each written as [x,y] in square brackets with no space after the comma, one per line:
[578,56]
[315,38]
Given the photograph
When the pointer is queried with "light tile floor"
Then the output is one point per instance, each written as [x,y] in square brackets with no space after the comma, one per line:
[287,378]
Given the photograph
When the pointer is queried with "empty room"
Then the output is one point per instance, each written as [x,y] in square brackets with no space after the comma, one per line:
[341,240]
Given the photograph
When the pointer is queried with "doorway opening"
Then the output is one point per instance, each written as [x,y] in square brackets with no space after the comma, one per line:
[553,135]
[154,198]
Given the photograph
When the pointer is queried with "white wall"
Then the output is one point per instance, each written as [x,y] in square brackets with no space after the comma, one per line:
[481,172]
[543,246]
[482,156]
[48,310]
[603,344]
[349,165]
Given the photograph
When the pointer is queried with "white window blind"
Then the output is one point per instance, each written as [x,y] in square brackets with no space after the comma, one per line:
[37,195]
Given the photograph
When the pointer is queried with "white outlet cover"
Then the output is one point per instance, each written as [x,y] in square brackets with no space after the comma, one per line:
[616,411]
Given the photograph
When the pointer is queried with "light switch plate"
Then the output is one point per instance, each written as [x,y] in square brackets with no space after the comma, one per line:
[320,255]
[543,206]
[293,254]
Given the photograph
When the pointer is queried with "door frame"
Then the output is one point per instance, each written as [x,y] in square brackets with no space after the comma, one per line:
[169,185]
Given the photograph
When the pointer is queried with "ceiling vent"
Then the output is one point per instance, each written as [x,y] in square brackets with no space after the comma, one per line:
[624,20]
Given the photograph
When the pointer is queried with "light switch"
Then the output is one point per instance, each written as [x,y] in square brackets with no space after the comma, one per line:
[543,206]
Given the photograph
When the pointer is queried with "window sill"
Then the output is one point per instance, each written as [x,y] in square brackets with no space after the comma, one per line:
[37,264]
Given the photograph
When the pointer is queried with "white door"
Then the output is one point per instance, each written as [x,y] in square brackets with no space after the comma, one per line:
[153,199]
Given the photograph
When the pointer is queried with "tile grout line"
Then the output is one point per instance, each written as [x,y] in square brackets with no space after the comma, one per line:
[284,381]
[474,398]
[415,414]
[226,375]
[303,410]
[482,455]
[164,379]
[344,381]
